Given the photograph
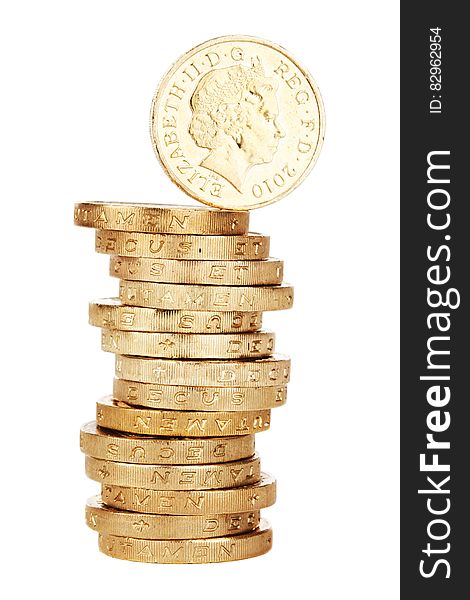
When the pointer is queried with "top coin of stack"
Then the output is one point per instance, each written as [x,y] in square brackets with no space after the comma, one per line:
[148,218]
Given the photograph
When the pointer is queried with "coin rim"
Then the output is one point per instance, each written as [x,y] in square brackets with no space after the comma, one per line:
[114,518]
[255,537]
[128,471]
[100,438]
[266,481]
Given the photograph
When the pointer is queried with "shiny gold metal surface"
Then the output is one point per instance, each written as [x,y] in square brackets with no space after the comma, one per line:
[175,477]
[148,421]
[111,313]
[180,397]
[189,345]
[237,122]
[154,218]
[219,549]
[107,520]
[251,246]
[182,502]
[260,372]
[129,448]
[178,296]
[199,272]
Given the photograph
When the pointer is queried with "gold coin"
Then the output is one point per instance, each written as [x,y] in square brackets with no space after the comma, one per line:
[186,502]
[134,449]
[178,296]
[107,520]
[188,345]
[205,272]
[175,477]
[251,246]
[259,372]
[109,312]
[151,218]
[183,397]
[213,550]
[237,122]
[122,417]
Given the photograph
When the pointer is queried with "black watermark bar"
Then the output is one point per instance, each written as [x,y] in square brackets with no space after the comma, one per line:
[435,314]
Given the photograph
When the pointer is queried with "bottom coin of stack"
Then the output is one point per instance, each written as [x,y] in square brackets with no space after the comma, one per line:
[177,500]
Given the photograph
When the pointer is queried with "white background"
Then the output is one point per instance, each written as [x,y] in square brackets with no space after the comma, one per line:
[77,80]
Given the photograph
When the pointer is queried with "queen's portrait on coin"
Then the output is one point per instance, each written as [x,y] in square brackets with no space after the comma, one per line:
[235,112]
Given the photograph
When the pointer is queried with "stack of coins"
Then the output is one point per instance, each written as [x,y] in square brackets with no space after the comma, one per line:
[196,378]
[237,124]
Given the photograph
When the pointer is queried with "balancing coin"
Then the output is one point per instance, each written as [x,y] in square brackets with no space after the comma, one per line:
[180,397]
[111,313]
[151,218]
[179,296]
[237,122]
[189,345]
[122,417]
[185,502]
[259,372]
[105,519]
[251,246]
[175,477]
[134,449]
[206,272]
[213,550]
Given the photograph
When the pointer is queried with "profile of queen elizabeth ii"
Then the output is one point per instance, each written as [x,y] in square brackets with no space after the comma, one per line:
[235,112]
